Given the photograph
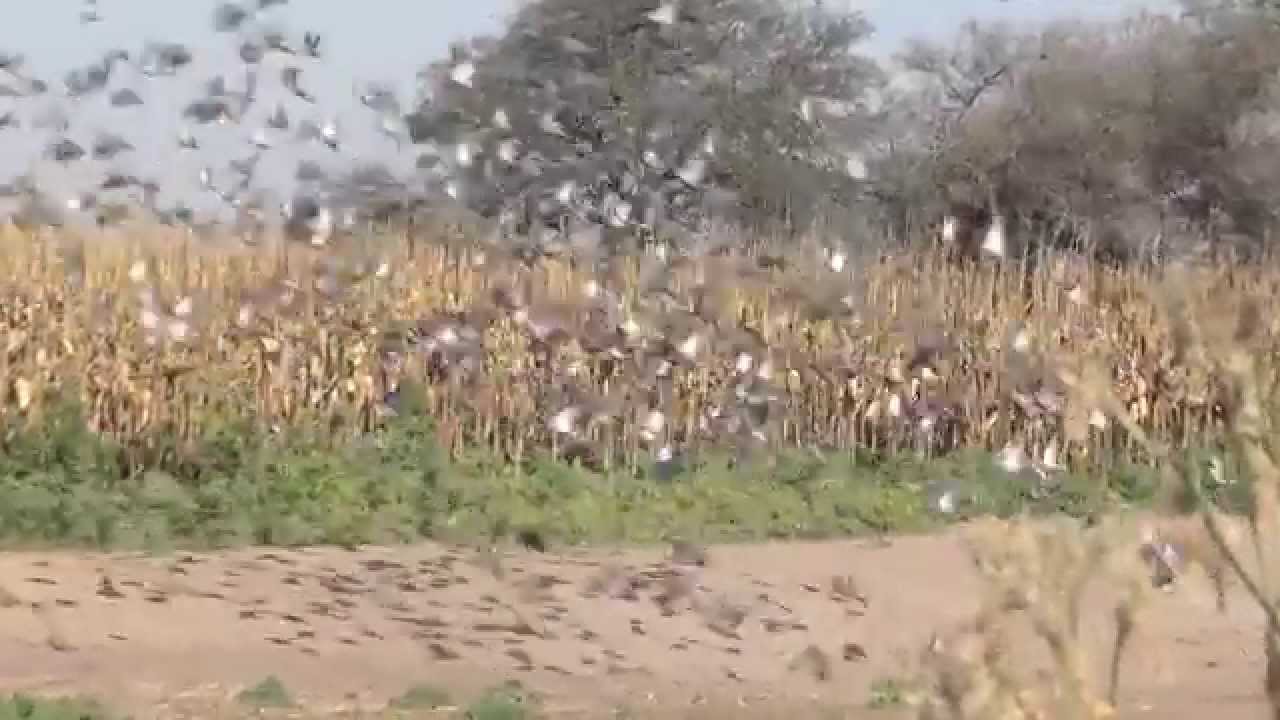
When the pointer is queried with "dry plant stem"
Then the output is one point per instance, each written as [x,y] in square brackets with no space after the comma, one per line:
[1211,525]
[1124,632]
[1038,575]
[1247,425]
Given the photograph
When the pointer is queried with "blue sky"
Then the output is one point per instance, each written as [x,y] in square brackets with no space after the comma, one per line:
[379,40]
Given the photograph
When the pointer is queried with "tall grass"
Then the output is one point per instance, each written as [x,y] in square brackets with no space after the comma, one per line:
[321,360]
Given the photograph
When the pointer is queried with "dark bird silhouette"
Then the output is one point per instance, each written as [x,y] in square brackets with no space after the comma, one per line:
[289,77]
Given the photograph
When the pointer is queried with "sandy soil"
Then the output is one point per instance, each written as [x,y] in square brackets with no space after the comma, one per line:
[343,629]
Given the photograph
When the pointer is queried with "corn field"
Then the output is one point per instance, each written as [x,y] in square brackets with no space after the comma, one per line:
[159,335]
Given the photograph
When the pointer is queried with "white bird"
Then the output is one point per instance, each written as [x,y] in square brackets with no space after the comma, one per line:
[507,151]
[993,243]
[1216,471]
[465,153]
[326,133]
[563,421]
[89,14]
[463,72]
[393,126]
[501,120]
[690,346]
[260,139]
[1014,461]
[949,229]
[564,193]
[693,171]
[836,260]
[321,226]
[619,213]
[654,423]
[1021,340]
[1049,459]
[186,140]
[855,166]
[548,124]
[665,14]
[945,502]
[329,132]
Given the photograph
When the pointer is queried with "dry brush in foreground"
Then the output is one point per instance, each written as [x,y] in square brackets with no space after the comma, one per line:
[1037,576]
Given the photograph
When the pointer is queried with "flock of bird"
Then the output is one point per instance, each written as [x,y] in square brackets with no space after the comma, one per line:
[516,150]
[502,140]
[509,143]
[118,192]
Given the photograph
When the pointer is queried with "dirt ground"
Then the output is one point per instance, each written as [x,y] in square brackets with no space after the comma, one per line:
[347,630]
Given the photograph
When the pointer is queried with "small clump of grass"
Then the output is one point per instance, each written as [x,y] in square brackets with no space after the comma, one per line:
[268,693]
[507,702]
[26,707]
[422,697]
[887,692]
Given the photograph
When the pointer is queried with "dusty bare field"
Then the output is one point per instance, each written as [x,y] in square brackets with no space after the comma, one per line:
[347,630]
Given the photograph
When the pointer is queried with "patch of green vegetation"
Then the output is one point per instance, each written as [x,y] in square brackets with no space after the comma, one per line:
[422,697]
[506,702]
[887,693]
[26,707]
[61,484]
[270,693]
